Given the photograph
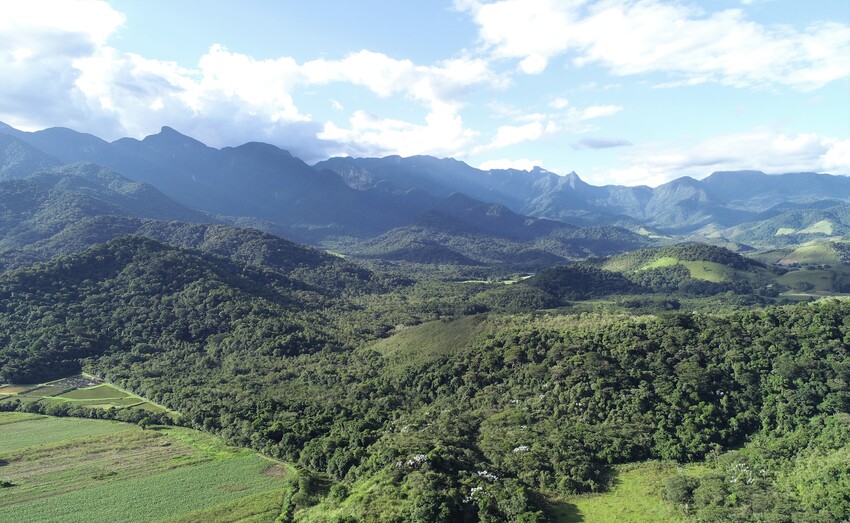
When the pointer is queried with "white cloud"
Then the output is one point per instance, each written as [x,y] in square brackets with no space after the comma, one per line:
[40,41]
[439,88]
[522,164]
[559,103]
[764,150]
[538,125]
[91,19]
[632,37]
[511,134]
[56,62]
[443,134]
[599,111]
[600,143]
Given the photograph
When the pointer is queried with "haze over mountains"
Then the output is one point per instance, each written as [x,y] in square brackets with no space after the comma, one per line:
[420,209]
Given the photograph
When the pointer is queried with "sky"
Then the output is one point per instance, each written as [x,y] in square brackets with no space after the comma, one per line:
[619,91]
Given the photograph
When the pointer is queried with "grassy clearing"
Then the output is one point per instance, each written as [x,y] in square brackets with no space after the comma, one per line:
[709,271]
[430,341]
[666,261]
[821,227]
[816,253]
[784,231]
[377,494]
[817,281]
[81,470]
[635,497]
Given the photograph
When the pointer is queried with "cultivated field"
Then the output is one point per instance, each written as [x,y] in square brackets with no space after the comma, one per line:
[82,390]
[80,470]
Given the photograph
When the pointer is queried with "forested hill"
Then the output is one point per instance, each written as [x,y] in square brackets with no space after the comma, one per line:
[512,407]
[37,207]
[134,291]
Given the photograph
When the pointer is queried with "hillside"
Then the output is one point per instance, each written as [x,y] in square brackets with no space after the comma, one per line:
[628,387]
[19,159]
[39,206]
[793,227]
[137,292]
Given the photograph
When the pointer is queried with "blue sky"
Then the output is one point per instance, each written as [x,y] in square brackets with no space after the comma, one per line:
[619,91]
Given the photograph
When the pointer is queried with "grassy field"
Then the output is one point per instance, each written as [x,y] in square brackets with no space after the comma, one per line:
[635,498]
[80,470]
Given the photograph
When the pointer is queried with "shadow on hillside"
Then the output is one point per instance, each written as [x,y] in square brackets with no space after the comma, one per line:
[564,512]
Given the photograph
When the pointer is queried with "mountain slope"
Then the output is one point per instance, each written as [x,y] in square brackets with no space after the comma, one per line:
[471,232]
[793,227]
[19,159]
[41,205]
[255,180]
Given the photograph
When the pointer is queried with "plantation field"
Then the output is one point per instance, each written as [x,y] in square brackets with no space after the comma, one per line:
[82,390]
[14,389]
[635,497]
[81,470]
[102,391]
[44,430]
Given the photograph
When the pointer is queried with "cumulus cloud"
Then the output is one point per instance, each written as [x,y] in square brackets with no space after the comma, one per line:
[764,150]
[40,41]
[56,62]
[632,37]
[566,118]
[443,134]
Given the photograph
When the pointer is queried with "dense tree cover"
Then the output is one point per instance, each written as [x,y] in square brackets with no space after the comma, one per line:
[529,404]
[582,282]
[799,476]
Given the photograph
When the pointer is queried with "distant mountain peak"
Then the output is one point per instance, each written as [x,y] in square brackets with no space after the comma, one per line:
[172,136]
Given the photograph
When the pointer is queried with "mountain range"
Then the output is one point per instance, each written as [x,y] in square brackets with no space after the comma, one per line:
[426,209]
